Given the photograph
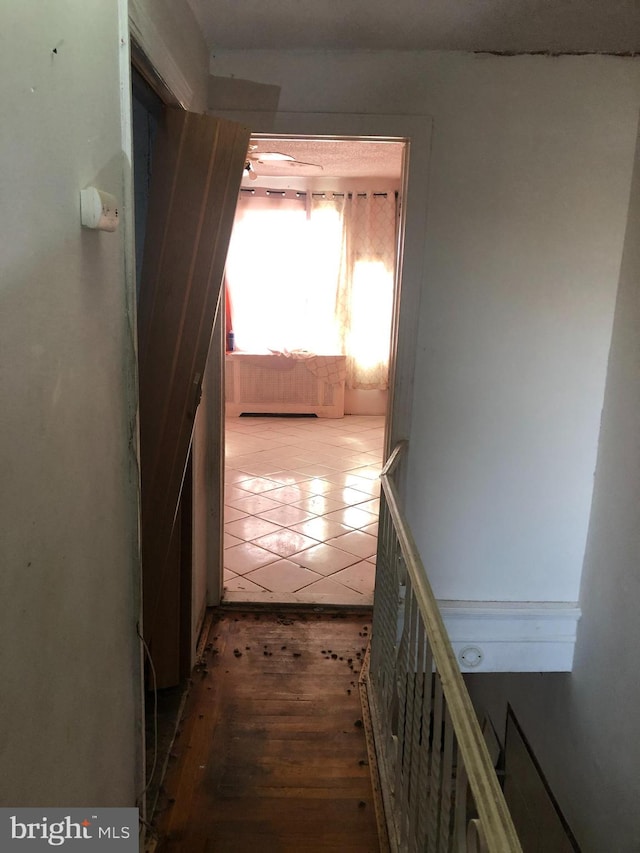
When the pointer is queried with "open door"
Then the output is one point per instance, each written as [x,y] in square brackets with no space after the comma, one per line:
[197,168]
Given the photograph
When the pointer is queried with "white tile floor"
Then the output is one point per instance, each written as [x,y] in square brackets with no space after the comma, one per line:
[301,509]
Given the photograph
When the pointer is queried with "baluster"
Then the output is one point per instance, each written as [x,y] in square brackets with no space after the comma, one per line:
[418,792]
[425,745]
[476,841]
[447,783]
[435,770]
[411,723]
[460,819]
[401,690]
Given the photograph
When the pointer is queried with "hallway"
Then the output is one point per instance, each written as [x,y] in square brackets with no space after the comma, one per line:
[301,509]
[271,754]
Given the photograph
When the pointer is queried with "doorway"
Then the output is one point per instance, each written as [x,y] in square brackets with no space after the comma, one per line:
[195,177]
[185,201]
[302,493]
[375,127]
[418,129]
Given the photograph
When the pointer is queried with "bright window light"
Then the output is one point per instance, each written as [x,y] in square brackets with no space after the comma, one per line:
[282,270]
[371,307]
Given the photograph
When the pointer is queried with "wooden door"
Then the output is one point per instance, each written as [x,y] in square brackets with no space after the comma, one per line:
[197,168]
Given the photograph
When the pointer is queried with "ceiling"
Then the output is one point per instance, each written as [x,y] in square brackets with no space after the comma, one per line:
[505,26]
[343,158]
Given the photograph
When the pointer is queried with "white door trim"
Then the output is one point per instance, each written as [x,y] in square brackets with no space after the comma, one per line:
[416,130]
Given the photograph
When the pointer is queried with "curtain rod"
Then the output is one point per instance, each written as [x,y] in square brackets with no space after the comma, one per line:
[303,193]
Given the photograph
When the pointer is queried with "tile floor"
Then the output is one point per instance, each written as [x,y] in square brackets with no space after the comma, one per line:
[301,509]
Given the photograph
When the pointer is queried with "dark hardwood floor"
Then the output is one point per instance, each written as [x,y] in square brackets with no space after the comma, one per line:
[272,756]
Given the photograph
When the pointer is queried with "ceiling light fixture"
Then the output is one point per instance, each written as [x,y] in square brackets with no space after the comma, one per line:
[272,156]
[248,167]
[266,162]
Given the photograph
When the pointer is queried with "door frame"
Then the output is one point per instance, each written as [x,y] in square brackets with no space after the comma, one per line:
[415,131]
[132,56]
[150,55]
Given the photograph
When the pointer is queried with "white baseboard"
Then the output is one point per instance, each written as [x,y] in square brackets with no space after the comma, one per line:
[497,636]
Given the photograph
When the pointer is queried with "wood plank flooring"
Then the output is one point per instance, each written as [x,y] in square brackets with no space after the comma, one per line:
[272,757]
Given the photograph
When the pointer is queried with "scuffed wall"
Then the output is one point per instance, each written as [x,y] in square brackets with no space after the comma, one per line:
[70,706]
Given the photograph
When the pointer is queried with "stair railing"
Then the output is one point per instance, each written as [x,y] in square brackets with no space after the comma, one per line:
[440,789]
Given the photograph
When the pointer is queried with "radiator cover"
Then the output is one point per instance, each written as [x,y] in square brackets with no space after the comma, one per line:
[275,384]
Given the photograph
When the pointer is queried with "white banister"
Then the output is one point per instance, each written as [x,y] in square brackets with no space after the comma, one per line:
[441,789]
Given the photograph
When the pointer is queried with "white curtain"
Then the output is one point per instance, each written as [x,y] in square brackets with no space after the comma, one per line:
[316,274]
[365,294]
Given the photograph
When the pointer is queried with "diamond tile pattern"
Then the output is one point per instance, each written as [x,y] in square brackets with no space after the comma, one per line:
[301,507]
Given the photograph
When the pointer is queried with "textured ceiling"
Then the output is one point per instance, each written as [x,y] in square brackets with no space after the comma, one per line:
[347,159]
[486,25]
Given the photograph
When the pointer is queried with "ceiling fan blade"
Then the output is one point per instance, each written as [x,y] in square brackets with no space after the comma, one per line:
[276,160]
[274,156]
[294,164]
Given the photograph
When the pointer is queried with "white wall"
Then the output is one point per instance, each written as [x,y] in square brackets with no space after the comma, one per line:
[69,584]
[584,728]
[529,181]
[359,402]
